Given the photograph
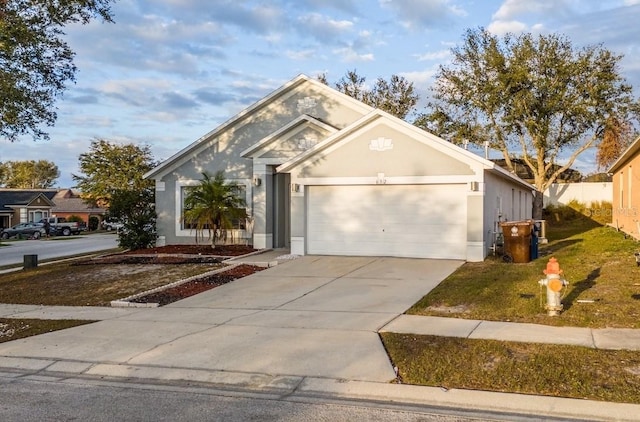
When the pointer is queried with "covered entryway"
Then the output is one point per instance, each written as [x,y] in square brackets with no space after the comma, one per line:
[419,221]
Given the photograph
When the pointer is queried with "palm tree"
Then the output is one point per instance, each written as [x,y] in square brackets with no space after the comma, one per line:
[211,206]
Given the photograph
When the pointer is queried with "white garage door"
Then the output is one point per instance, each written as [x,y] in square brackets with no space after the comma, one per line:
[420,221]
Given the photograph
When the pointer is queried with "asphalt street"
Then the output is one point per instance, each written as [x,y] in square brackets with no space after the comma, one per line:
[41,398]
[12,252]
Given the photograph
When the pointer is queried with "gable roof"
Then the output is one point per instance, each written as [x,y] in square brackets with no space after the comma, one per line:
[420,135]
[186,153]
[302,120]
[16,198]
[629,153]
[68,201]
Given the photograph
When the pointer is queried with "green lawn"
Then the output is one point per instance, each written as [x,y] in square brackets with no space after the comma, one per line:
[604,291]
[598,262]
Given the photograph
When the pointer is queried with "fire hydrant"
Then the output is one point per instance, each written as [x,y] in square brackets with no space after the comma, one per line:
[554,283]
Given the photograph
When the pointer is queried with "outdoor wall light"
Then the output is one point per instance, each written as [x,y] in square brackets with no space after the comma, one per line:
[295,187]
[257,181]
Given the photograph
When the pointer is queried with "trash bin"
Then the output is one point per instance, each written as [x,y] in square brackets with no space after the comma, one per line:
[517,240]
[535,235]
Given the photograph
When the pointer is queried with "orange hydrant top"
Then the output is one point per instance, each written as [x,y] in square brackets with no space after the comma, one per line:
[553,267]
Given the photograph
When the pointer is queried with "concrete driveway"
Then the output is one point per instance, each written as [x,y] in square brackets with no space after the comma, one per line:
[312,316]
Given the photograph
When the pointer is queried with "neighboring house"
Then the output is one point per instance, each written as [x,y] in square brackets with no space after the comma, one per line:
[323,173]
[25,205]
[626,190]
[68,203]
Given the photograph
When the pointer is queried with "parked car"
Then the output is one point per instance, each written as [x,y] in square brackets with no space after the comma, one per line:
[112,225]
[31,230]
[60,226]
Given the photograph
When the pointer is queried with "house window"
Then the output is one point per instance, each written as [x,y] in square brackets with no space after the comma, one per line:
[238,223]
[37,215]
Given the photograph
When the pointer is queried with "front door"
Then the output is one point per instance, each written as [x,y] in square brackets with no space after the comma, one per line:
[281,204]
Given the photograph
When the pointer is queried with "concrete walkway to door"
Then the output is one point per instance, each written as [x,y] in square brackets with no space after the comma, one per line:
[308,317]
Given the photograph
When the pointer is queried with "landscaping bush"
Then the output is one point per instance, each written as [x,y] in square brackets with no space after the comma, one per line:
[94,222]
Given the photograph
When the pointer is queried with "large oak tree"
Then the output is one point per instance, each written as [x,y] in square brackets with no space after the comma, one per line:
[109,167]
[537,98]
[35,62]
[30,174]
[397,96]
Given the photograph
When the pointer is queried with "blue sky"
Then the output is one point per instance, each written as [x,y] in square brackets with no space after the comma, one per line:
[169,71]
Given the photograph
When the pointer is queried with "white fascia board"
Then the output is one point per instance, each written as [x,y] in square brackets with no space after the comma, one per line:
[507,175]
[410,130]
[323,147]
[252,151]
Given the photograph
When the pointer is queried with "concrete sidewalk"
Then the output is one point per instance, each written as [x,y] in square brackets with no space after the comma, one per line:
[305,326]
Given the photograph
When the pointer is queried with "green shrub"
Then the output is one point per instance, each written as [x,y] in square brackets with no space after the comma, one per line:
[94,222]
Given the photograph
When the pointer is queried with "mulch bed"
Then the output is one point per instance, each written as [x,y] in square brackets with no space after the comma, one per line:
[219,250]
[173,254]
[190,288]
[183,254]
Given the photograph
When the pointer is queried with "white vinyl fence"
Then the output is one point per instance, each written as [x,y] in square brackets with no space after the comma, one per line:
[586,193]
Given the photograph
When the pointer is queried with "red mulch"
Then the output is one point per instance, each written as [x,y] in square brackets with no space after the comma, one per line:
[200,285]
[219,250]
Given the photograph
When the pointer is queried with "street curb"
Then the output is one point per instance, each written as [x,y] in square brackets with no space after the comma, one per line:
[292,385]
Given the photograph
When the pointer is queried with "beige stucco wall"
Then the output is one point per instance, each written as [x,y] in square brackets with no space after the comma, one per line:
[626,197]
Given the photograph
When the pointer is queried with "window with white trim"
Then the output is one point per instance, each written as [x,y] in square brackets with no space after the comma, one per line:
[238,223]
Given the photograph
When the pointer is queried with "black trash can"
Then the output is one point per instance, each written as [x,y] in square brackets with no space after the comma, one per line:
[517,240]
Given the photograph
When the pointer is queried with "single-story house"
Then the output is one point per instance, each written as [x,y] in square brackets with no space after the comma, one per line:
[323,173]
[626,193]
[69,202]
[24,205]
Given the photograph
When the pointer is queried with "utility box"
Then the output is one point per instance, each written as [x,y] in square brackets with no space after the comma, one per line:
[517,240]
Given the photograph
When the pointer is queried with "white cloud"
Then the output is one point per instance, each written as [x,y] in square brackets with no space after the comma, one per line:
[423,14]
[349,55]
[503,27]
[322,27]
[420,79]
[434,55]
[511,9]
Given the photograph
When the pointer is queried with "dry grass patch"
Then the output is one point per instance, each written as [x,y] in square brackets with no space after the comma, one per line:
[14,329]
[90,285]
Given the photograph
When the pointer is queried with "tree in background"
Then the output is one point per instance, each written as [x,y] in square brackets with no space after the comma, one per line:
[30,174]
[35,61]
[538,96]
[396,96]
[136,210]
[615,140]
[211,206]
[110,167]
